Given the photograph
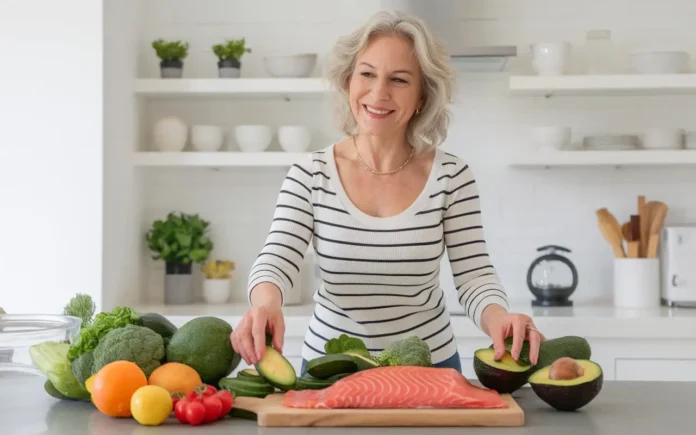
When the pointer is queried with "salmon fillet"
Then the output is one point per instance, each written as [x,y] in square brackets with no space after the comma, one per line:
[398,387]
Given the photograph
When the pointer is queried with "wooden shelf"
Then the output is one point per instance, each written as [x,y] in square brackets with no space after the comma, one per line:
[606,158]
[217,159]
[230,87]
[627,84]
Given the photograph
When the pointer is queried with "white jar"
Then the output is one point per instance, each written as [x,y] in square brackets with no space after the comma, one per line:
[170,134]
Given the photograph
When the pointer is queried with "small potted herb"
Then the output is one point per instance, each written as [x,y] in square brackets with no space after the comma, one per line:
[172,55]
[180,240]
[229,57]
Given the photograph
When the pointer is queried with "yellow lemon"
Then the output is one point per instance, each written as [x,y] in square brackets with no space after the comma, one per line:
[151,405]
[88,383]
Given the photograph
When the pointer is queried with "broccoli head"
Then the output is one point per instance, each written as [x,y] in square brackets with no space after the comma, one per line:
[82,367]
[411,351]
[133,343]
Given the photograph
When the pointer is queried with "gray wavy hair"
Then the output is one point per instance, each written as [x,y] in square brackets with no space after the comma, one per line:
[426,129]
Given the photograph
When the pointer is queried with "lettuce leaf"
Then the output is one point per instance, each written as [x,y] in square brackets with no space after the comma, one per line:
[88,338]
[51,358]
[345,343]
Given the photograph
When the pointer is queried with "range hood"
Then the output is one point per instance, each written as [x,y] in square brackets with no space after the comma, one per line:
[445,19]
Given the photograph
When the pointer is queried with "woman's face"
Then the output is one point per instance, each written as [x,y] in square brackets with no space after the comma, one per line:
[385,87]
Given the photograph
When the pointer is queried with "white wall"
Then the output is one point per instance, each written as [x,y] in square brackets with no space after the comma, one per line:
[522,209]
[51,153]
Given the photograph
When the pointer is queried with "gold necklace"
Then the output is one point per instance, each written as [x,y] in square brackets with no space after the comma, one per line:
[366,166]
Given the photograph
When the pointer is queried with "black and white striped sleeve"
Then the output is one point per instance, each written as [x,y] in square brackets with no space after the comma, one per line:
[475,277]
[281,258]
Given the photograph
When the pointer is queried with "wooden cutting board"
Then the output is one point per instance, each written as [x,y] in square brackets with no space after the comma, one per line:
[271,413]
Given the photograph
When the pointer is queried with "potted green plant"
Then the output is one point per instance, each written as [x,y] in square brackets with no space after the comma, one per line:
[229,57]
[172,55]
[180,240]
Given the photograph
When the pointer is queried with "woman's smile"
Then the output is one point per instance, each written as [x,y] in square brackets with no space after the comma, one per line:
[377,112]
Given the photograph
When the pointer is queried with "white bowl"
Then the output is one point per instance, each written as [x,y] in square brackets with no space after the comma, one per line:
[294,65]
[663,138]
[253,138]
[550,138]
[206,137]
[660,62]
[551,58]
[294,138]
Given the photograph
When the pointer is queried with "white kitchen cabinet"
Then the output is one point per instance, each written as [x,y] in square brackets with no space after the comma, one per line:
[655,369]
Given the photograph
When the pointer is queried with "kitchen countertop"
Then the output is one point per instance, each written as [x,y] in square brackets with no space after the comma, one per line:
[621,408]
[591,320]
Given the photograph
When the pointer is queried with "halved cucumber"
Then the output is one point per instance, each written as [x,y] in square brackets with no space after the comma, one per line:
[330,365]
[240,387]
[251,375]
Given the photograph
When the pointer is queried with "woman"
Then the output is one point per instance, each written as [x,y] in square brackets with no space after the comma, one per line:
[381,207]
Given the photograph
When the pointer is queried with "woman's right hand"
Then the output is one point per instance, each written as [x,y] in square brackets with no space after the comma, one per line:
[249,339]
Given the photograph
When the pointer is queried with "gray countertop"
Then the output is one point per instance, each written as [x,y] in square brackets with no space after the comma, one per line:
[620,408]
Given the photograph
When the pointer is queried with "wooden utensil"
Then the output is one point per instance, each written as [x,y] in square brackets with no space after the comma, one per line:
[626,231]
[644,225]
[611,231]
[658,212]
[270,412]
[633,244]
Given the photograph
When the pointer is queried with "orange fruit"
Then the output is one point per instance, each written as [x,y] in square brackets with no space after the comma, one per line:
[174,376]
[114,385]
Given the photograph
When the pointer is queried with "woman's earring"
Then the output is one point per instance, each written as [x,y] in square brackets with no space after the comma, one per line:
[417,111]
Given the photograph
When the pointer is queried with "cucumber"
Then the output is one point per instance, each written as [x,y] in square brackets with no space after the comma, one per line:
[240,387]
[243,414]
[363,362]
[330,365]
[249,373]
[276,370]
[52,391]
[310,383]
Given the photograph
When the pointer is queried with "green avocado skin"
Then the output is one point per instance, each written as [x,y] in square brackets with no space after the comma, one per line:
[502,381]
[569,346]
[569,397]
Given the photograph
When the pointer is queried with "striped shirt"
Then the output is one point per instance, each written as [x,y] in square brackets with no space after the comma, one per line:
[380,275]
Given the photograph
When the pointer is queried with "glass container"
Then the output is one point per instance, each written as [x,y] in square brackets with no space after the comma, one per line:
[599,53]
[18,332]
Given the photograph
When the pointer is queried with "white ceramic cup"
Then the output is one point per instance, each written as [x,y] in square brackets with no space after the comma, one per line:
[550,138]
[663,138]
[170,134]
[206,137]
[637,282]
[294,138]
[550,58]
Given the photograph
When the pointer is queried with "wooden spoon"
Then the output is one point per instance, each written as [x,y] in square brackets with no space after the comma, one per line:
[611,231]
[658,213]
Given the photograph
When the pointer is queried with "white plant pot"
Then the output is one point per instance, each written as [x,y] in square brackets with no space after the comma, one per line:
[216,291]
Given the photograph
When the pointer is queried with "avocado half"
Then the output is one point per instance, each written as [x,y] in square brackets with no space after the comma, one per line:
[568,394]
[504,376]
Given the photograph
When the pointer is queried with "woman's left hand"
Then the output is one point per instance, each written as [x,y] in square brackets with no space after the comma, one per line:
[499,325]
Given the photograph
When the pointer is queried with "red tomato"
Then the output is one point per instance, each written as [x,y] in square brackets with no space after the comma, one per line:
[180,411]
[191,396]
[209,391]
[195,411]
[213,407]
[226,400]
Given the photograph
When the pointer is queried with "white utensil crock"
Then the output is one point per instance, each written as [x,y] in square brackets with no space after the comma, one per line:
[637,282]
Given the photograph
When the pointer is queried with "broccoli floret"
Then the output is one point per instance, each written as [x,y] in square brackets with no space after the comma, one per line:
[411,351]
[82,367]
[138,344]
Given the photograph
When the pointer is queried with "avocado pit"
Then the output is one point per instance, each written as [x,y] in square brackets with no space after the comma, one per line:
[565,369]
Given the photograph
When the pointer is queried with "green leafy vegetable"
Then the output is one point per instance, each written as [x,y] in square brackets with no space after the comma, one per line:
[411,351]
[138,344]
[51,358]
[82,367]
[81,306]
[88,338]
[345,343]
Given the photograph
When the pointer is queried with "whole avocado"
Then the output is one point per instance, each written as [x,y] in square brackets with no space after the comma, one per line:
[204,344]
